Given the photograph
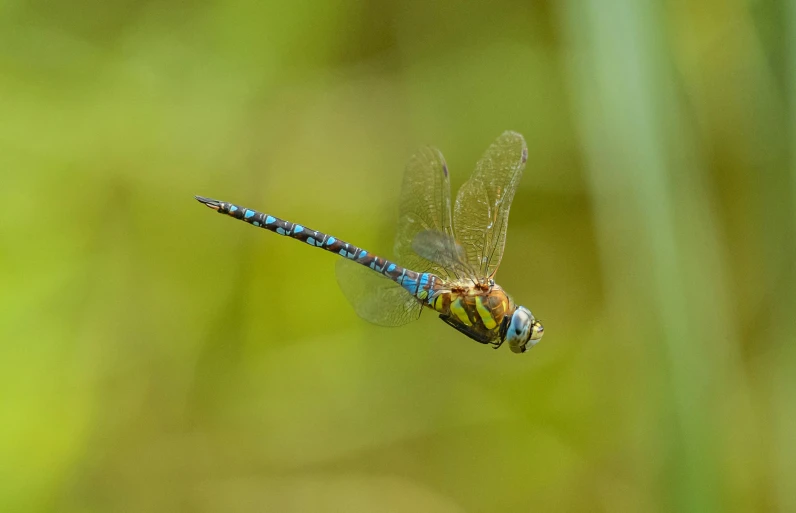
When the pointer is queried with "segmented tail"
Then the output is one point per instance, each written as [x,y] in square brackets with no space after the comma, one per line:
[417,284]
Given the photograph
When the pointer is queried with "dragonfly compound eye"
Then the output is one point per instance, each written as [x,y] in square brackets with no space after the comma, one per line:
[523,331]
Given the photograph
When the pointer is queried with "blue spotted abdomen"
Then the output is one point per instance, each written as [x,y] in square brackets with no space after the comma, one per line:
[420,285]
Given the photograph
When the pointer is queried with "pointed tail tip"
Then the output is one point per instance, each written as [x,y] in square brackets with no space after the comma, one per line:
[214,204]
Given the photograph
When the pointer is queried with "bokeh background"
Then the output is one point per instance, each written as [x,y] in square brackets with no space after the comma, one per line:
[157,357]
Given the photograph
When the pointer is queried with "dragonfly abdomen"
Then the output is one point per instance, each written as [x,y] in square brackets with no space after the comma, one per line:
[280,226]
[419,285]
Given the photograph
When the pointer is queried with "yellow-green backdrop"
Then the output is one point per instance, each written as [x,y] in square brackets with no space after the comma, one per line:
[157,358]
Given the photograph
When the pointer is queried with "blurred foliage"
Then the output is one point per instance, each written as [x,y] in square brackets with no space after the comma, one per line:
[155,357]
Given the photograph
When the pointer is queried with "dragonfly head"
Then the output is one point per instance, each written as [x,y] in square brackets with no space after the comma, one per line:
[523,331]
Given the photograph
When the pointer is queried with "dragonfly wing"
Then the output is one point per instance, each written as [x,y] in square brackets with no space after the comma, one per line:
[481,213]
[443,249]
[425,205]
[375,298]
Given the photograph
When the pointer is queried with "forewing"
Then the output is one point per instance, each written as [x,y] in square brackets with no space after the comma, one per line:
[425,205]
[375,298]
[481,213]
[442,249]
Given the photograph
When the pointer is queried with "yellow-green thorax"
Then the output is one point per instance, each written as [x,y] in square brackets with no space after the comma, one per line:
[484,312]
[478,308]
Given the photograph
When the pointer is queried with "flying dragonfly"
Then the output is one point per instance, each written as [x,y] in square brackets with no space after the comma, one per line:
[445,259]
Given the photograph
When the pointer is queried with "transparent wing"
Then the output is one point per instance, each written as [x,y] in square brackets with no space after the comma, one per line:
[375,298]
[482,207]
[442,249]
[425,205]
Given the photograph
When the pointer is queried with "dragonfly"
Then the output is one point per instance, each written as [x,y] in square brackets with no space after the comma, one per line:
[445,258]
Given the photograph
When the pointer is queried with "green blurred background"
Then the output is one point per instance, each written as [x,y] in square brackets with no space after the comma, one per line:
[156,357]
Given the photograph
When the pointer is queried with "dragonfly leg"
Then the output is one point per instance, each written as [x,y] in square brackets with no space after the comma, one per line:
[504,326]
[478,337]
